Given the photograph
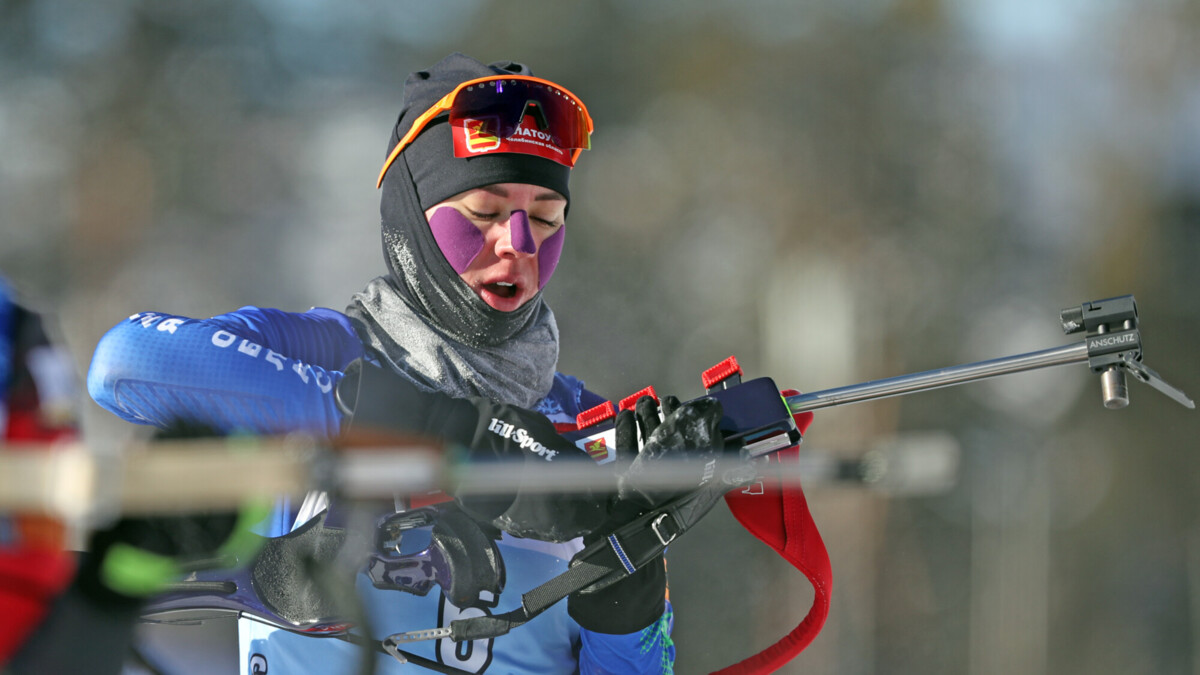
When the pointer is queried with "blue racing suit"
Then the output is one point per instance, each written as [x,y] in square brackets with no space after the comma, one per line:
[269,371]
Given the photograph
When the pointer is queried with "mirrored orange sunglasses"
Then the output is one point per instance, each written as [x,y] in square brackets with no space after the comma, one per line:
[505,100]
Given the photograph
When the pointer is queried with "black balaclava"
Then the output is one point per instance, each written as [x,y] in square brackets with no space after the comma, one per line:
[426,173]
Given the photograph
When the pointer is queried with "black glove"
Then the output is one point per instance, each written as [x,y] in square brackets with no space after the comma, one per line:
[377,398]
[688,436]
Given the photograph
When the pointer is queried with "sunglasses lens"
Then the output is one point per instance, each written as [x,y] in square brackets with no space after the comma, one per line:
[502,106]
[511,115]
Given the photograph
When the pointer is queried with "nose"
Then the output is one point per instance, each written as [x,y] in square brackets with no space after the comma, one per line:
[519,237]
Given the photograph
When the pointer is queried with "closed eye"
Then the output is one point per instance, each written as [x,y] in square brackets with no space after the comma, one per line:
[483,216]
[495,215]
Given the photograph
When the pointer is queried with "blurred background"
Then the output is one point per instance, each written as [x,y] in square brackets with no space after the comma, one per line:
[834,191]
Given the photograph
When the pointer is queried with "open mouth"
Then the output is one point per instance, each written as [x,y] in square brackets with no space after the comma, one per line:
[502,289]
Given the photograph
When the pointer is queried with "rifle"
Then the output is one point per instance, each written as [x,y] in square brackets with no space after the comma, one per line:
[758,416]
[188,475]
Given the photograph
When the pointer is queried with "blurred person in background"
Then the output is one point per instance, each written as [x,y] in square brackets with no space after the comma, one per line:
[453,338]
[38,386]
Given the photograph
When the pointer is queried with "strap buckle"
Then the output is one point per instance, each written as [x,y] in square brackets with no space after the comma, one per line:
[657,522]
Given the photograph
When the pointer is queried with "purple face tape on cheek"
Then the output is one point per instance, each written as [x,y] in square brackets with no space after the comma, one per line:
[519,233]
[457,236]
[548,255]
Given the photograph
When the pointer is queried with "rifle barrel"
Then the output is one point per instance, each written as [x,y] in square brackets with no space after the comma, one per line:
[938,378]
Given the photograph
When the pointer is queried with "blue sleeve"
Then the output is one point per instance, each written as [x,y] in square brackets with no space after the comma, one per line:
[649,650]
[318,337]
[254,370]
[567,398]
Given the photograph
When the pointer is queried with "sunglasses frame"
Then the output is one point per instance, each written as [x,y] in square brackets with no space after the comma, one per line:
[446,102]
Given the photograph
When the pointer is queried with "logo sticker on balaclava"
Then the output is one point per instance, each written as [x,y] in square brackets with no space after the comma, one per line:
[476,136]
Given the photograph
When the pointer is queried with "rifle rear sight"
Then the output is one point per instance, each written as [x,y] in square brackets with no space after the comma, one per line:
[1114,345]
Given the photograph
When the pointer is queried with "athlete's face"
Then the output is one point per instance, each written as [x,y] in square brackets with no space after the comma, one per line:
[503,239]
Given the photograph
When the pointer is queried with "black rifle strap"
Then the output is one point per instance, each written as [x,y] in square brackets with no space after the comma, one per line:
[607,560]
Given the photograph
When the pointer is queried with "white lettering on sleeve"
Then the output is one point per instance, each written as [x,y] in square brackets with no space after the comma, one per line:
[326,384]
[170,325]
[249,348]
[223,339]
